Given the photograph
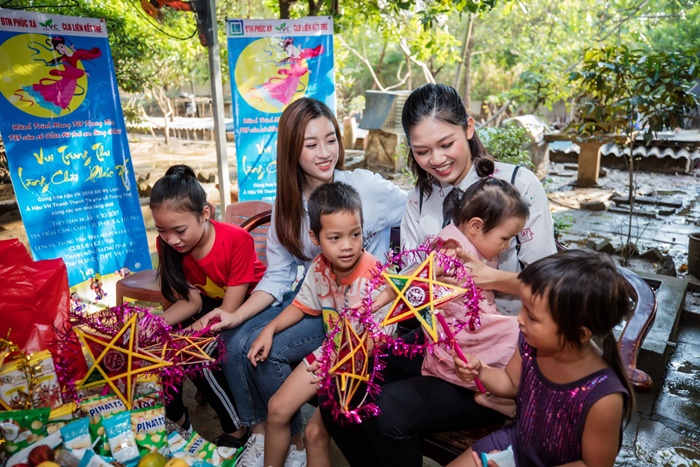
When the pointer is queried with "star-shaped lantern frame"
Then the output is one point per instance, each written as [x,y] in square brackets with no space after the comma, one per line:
[352,364]
[117,360]
[419,294]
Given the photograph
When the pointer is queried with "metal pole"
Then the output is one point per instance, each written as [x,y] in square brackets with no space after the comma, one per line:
[217,96]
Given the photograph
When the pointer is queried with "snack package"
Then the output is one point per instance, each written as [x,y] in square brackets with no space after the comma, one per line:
[121,438]
[148,425]
[20,428]
[92,459]
[76,435]
[97,408]
[147,383]
[217,456]
[176,443]
[146,400]
[61,416]
[13,383]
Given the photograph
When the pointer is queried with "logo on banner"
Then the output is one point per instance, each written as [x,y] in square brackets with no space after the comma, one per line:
[48,25]
[235,27]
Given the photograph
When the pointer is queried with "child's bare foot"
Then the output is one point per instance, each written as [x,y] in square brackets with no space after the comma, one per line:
[500,404]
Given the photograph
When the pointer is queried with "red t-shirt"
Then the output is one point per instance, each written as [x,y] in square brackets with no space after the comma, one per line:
[232,261]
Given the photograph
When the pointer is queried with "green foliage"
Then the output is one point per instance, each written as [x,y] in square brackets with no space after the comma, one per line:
[562,223]
[619,89]
[506,144]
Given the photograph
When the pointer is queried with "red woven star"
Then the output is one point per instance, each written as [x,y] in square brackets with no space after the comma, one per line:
[116,361]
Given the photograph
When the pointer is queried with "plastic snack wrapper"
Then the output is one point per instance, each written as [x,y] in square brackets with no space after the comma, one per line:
[97,408]
[148,425]
[76,435]
[22,457]
[121,438]
[44,391]
[217,456]
[20,428]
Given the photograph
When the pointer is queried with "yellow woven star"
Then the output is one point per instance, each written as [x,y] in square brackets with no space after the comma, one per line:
[185,350]
[419,295]
[117,360]
[352,364]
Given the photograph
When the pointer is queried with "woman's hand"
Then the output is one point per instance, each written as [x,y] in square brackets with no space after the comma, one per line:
[477,268]
[477,460]
[219,320]
[261,346]
[487,277]
[467,371]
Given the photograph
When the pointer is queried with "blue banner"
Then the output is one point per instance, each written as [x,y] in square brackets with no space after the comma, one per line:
[67,149]
[273,63]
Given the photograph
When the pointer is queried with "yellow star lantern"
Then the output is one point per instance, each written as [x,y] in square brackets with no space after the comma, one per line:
[116,361]
[419,295]
[352,362]
[185,350]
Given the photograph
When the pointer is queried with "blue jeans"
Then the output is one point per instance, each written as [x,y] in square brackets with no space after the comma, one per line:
[252,387]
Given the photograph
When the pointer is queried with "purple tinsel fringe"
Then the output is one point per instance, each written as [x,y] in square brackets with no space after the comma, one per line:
[153,332]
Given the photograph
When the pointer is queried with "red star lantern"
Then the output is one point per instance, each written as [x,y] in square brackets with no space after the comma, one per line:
[116,361]
[351,367]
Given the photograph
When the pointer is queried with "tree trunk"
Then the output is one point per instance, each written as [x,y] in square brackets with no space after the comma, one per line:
[314,7]
[380,65]
[468,65]
[460,65]
[285,6]
[166,109]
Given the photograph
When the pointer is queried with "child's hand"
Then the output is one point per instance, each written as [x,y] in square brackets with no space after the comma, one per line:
[315,368]
[467,371]
[261,346]
[477,460]
[219,320]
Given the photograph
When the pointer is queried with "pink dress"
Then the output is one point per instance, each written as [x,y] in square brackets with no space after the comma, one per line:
[493,342]
[283,89]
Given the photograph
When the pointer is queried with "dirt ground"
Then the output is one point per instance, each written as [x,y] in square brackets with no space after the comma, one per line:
[657,231]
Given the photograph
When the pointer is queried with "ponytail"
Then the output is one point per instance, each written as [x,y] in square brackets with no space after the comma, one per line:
[177,190]
[598,304]
[611,354]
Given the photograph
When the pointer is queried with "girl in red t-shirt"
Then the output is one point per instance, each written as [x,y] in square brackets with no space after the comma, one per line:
[203,265]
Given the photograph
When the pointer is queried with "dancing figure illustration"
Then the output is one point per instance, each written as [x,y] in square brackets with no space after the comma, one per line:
[55,94]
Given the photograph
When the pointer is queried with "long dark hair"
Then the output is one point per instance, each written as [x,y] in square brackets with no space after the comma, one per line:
[598,303]
[443,103]
[490,199]
[179,191]
[290,178]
